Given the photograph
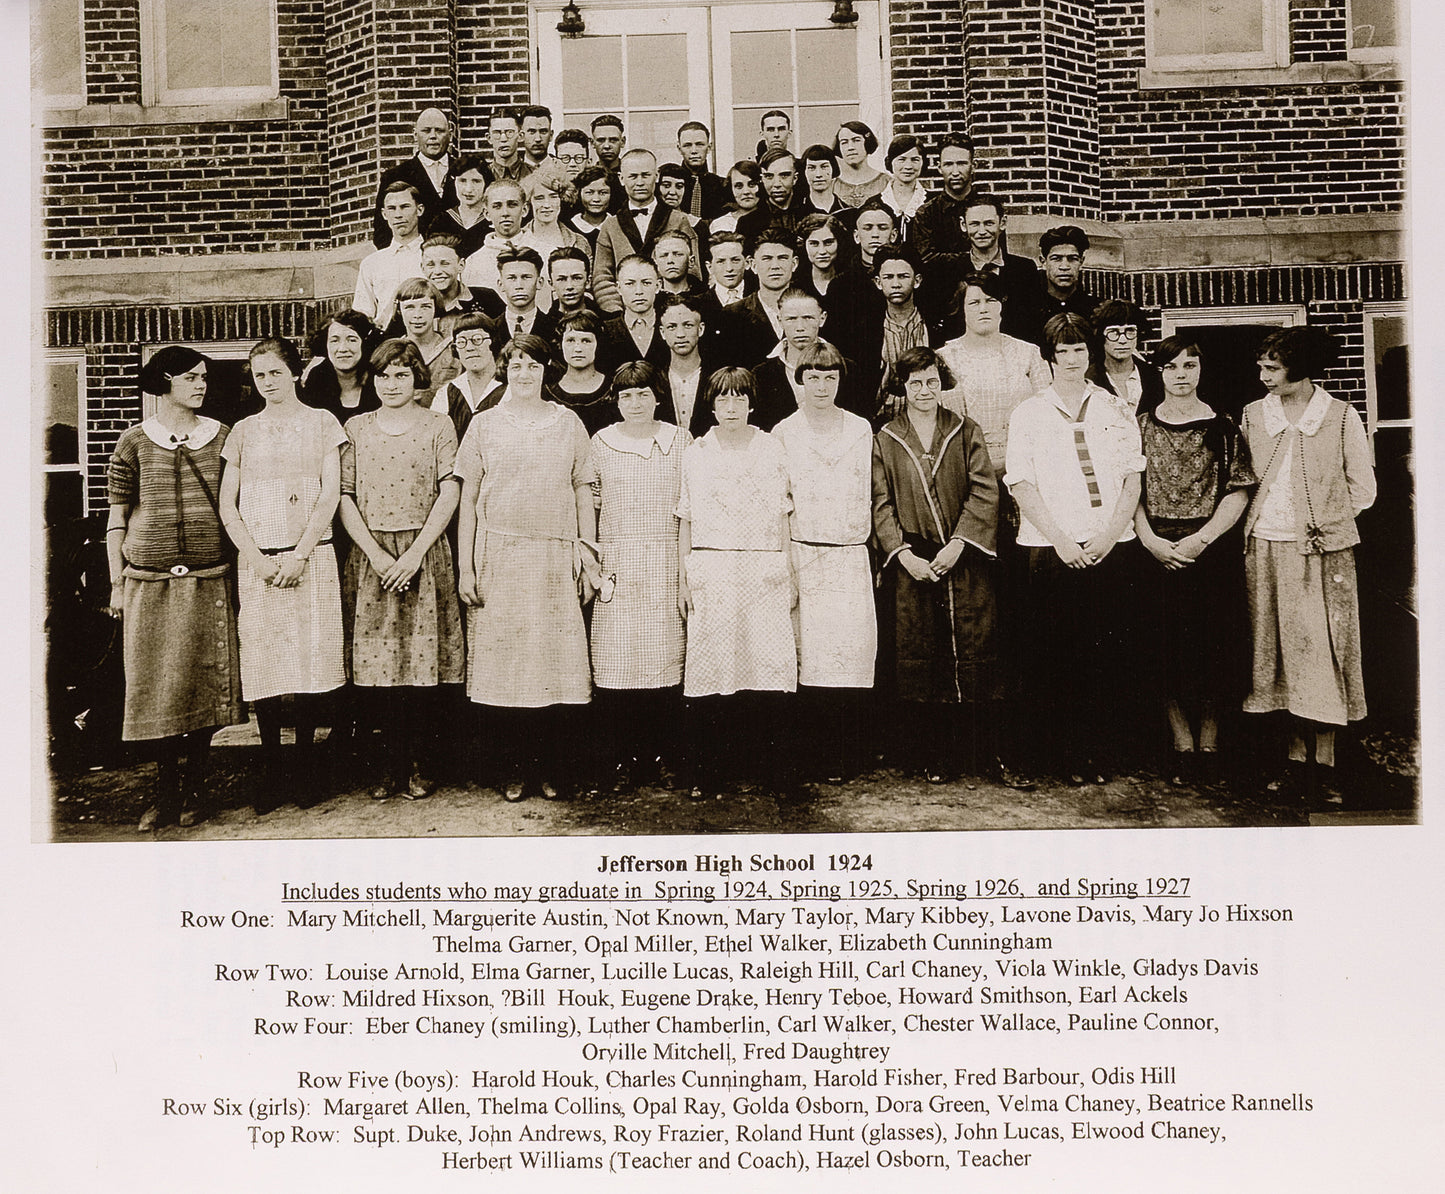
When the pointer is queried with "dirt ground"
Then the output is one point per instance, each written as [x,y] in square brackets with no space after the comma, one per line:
[104,804]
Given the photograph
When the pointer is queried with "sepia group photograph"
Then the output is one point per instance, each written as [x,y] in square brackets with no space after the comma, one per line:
[465,419]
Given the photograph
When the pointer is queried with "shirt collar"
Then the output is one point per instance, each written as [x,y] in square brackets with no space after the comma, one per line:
[1310,422]
[204,433]
[664,437]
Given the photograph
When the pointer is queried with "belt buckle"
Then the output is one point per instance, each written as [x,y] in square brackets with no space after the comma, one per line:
[179,570]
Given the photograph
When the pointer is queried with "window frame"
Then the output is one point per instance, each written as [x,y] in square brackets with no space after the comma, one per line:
[155,95]
[64,101]
[216,350]
[1285,315]
[1375,53]
[50,358]
[1373,422]
[1273,55]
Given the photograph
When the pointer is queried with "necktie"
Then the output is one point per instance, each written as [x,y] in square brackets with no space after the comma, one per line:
[694,204]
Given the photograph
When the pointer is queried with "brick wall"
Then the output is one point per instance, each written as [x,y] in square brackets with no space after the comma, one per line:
[1006,97]
[1303,149]
[928,58]
[1071,121]
[494,64]
[123,191]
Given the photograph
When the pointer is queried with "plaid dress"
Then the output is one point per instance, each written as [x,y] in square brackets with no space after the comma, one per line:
[637,631]
[290,638]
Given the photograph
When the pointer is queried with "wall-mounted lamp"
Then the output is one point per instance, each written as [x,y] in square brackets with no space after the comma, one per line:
[572,24]
[843,14]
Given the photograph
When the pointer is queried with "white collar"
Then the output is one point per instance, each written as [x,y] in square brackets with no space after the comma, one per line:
[665,437]
[406,246]
[1090,389]
[204,433]
[1310,422]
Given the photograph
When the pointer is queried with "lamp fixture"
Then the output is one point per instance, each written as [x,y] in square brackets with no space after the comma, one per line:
[572,24]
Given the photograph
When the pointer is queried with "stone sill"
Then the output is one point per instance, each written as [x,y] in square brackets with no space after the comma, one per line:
[1297,74]
[97,116]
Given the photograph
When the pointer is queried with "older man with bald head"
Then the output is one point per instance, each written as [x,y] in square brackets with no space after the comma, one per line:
[429,170]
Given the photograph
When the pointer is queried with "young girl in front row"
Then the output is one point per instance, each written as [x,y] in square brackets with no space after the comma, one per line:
[397,496]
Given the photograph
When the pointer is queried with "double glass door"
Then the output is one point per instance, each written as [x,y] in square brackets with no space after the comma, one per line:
[722,64]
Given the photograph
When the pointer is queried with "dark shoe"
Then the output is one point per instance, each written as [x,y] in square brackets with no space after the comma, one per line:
[1010,778]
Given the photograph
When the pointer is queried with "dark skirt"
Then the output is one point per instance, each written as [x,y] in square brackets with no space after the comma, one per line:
[182,664]
[936,638]
[1197,621]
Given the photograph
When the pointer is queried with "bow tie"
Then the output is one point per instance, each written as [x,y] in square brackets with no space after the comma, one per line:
[638,211]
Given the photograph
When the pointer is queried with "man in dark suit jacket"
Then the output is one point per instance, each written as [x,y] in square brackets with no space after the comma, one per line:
[1058,288]
[803,319]
[983,220]
[686,363]
[518,273]
[429,170]
[632,334]
[751,328]
[784,202]
[634,229]
[706,195]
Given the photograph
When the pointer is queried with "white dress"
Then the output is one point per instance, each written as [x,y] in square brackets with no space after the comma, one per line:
[740,634]
[831,481]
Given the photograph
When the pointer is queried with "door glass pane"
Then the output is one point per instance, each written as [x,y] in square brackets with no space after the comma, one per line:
[1392,373]
[657,70]
[746,129]
[827,65]
[818,126]
[55,29]
[763,68]
[656,131]
[216,43]
[592,70]
[62,413]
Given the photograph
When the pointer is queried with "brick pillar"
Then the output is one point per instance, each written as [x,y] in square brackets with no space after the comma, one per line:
[112,56]
[495,64]
[926,58]
[386,60]
[1032,77]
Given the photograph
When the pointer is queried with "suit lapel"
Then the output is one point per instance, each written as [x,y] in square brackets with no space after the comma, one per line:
[628,225]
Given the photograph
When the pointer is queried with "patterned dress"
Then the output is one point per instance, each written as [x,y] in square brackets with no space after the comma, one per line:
[994,374]
[637,631]
[740,634]
[412,637]
[291,639]
[526,644]
[831,478]
[182,672]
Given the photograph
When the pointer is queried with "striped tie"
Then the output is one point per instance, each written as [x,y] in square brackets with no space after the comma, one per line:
[1085,463]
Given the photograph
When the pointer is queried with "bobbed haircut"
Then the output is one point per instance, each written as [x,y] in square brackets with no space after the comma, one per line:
[870,138]
[356,322]
[821,357]
[419,288]
[732,380]
[638,375]
[403,352]
[587,322]
[277,346]
[675,170]
[525,345]
[810,224]
[1116,312]
[472,161]
[590,174]
[917,360]
[820,153]
[748,168]
[904,143]
[474,321]
[1065,328]
[1173,347]
[1305,352]
[171,361]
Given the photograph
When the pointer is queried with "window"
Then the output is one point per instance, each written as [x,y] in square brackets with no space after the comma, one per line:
[1387,371]
[1374,30]
[205,51]
[57,39]
[63,434]
[1189,35]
